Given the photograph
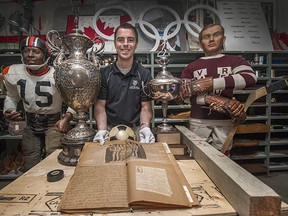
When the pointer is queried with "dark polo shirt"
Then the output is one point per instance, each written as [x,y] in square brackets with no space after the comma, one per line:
[124,93]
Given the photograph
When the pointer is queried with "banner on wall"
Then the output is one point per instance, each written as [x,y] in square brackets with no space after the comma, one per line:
[106,24]
[245,26]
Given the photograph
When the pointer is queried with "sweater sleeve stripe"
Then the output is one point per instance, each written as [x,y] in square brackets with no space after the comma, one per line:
[239,81]
[242,68]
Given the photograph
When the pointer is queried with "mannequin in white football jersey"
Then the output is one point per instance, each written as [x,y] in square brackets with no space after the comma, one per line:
[33,83]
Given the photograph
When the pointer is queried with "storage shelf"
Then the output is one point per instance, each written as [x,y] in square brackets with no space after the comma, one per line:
[279,142]
[261,111]
[174,107]
[258,155]
[279,130]
[278,155]
[159,120]
[279,104]
[275,117]
[278,167]
[10,137]
[256,118]
[279,65]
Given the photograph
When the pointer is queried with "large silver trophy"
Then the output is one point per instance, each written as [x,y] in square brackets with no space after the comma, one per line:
[78,80]
[164,87]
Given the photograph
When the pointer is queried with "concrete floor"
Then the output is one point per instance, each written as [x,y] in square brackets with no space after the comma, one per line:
[3,183]
[278,181]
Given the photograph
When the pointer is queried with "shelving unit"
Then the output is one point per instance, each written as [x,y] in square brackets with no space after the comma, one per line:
[271,153]
[10,141]
[278,148]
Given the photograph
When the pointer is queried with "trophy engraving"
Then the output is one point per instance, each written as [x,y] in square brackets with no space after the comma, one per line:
[78,80]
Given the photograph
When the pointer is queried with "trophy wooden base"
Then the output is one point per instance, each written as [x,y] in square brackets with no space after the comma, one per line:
[173,139]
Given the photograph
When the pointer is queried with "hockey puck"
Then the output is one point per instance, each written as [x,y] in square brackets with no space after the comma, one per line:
[55,175]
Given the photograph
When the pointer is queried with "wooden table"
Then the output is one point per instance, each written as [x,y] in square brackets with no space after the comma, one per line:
[32,194]
[210,175]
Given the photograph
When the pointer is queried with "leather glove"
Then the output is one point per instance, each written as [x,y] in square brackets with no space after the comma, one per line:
[146,135]
[184,92]
[231,107]
[203,85]
[101,136]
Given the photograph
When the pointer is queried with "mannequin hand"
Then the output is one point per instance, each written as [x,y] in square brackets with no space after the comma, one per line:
[101,136]
[231,107]
[146,135]
[62,126]
[11,115]
[184,92]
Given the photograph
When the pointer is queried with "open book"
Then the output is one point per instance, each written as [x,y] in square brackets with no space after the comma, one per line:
[124,175]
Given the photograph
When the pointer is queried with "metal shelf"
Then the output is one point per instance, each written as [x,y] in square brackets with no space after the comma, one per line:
[258,155]
[159,120]
[10,137]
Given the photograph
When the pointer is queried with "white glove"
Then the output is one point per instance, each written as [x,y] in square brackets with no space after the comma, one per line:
[146,135]
[101,136]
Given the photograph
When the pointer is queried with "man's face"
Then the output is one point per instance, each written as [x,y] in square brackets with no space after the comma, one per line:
[212,40]
[125,43]
[33,56]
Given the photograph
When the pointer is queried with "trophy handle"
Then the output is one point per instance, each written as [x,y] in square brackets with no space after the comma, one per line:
[95,50]
[144,87]
[54,42]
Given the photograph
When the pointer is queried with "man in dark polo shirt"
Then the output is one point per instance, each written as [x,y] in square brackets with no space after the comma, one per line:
[121,99]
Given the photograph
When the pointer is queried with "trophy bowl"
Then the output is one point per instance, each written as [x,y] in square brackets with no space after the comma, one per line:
[78,80]
[164,87]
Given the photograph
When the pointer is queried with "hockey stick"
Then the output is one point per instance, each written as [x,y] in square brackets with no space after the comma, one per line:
[253,96]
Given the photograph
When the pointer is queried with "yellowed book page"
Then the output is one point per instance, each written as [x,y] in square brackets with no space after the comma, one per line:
[155,184]
[156,180]
[99,181]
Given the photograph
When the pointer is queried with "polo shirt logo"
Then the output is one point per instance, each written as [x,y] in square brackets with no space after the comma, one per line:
[134,85]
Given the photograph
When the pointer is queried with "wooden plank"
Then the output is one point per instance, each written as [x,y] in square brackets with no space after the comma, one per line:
[247,194]
[252,128]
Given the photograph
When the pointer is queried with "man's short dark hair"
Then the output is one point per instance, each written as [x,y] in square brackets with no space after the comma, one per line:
[127,26]
[210,26]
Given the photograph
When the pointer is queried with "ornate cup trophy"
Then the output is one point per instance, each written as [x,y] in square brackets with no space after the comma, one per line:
[78,80]
[164,87]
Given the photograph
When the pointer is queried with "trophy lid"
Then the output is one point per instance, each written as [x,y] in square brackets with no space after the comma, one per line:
[164,76]
[77,34]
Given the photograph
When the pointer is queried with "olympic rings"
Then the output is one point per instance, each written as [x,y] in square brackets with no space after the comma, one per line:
[155,35]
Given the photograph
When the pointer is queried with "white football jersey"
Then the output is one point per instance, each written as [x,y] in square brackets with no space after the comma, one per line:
[38,92]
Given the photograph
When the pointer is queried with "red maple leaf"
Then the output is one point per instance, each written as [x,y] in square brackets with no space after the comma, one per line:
[90,32]
[108,31]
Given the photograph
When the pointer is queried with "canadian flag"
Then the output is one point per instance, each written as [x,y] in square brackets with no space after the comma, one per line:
[105,24]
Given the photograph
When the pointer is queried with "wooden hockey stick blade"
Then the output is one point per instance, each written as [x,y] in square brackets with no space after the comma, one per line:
[253,96]
[265,90]
[229,139]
